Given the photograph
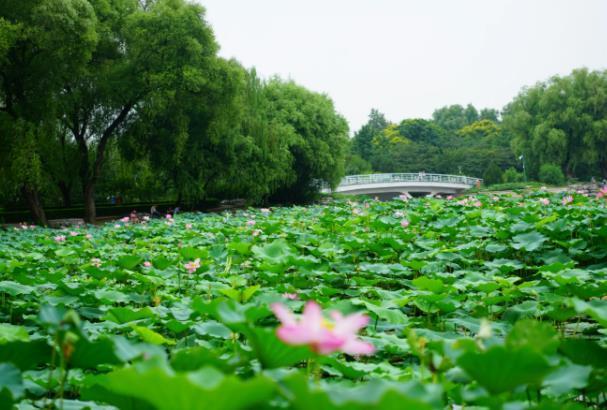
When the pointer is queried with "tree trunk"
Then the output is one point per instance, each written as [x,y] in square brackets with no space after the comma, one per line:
[66,197]
[89,202]
[33,202]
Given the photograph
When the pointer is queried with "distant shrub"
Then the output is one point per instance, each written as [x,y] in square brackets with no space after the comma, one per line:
[512,175]
[492,175]
[551,174]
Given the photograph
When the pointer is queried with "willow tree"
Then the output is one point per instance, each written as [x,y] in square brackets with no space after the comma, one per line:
[563,122]
[316,136]
[146,53]
[43,43]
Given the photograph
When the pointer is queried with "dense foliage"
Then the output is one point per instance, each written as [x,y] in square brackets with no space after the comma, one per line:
[456,141]
[488,302]
[560,122]
[128,98]
[564,122]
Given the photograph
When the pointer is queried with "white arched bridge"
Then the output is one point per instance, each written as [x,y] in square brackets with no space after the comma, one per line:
[409,183]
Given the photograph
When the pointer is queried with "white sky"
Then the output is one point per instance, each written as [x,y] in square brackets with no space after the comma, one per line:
[407,58]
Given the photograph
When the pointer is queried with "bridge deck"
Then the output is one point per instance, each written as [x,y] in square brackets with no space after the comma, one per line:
[405,182]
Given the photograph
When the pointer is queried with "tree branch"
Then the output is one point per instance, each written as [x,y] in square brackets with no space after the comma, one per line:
[107,134]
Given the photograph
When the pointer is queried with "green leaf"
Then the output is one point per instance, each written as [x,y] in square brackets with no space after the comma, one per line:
[11,385]
[150,336]
[161,262]
[374,395]
[277,252]
[426,283]
[110,296]
[14,288]
[194,358]
[124,315]
[596,309]
[129,261]
[541,337]
[213,328]
[499,369]
[565,379]
[528,241]
[272,352]
[12,333]
[190,253]
[249,292]
[392,316]
[26,355]
[161,388]
[584,352]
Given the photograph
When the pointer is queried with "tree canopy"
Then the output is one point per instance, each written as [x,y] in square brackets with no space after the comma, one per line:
[562,121]
[129,98]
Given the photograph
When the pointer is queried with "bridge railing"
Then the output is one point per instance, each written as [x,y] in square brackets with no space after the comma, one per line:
[408,177]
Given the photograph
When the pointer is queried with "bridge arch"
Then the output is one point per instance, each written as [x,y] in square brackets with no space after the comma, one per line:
[408,183]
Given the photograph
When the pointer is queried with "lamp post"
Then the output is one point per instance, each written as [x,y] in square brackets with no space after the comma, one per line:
[522,158]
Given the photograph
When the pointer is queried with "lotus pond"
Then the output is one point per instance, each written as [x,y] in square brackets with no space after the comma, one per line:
[480,303]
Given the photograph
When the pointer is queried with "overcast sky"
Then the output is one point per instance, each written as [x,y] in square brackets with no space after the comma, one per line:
[407,58]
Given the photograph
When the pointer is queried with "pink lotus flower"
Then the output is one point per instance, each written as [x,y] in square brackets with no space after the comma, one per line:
[147,264]
[251,222]
[59,238]
[125,219]
[404,223]
[74,233]
[168,216]
[403,197]
[321,335]
[89,236]
[477,204]
[96,262]
[146,218]
[399,214]
[256,232]
[602,192]
[567,200]
[367,205]
[544,201]
[193,266]
[188,226]
[290,296]
[450,197]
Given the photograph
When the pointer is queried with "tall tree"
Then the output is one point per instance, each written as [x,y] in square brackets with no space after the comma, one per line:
[562,121]
[145,54]
[362,141]
[317,138]
[43,43]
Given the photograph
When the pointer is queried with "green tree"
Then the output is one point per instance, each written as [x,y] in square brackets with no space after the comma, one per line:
[455,117]
[363,138]
[551,174]
[562,121]
[512,175]
[317,138]
[43,44]
[420,131]
[146,53]
[492,175]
